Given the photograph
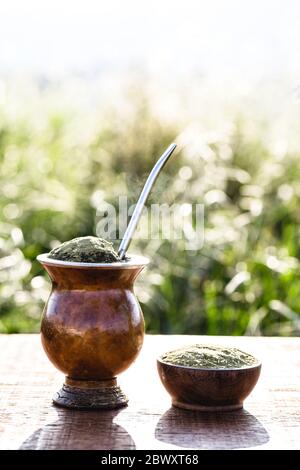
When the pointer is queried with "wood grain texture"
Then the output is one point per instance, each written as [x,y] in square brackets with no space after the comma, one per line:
[28,420]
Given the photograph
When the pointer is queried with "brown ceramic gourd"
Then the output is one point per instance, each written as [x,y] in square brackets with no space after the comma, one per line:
[92,329]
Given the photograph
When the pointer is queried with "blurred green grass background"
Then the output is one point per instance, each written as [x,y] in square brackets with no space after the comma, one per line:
[58,162]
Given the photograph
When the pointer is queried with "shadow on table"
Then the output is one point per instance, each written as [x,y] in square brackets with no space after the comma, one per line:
[227,430]
[94,430]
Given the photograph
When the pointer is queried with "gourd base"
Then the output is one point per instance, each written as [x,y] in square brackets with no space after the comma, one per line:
[90,395]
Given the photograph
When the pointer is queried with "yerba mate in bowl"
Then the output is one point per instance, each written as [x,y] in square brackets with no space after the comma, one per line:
[208,377]
[85,250]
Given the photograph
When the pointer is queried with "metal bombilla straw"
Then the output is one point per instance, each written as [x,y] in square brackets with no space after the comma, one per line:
[142,200]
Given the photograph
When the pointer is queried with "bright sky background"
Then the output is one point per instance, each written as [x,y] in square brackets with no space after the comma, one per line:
[257,37]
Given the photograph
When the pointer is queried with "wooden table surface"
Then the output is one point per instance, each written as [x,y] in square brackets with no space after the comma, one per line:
[28,420]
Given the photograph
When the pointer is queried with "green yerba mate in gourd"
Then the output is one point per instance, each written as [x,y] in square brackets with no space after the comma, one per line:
[209,357]
[85,250]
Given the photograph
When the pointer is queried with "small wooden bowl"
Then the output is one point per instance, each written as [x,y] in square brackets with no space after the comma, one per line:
[208,389]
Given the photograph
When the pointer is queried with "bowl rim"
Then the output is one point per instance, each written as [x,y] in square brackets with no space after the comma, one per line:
[211,369]
[134,262]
